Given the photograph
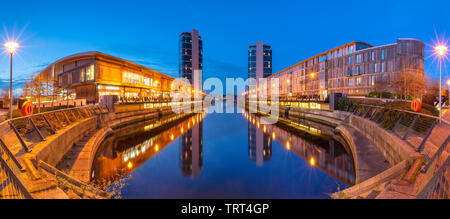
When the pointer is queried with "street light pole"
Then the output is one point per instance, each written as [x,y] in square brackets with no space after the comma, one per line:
[10,88]
[440,89]
[11,46]
[441,52]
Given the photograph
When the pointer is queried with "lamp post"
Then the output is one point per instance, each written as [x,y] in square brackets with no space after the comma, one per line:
[441,51]
[11,46]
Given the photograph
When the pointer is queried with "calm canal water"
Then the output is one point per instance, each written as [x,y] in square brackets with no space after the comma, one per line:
[224,156]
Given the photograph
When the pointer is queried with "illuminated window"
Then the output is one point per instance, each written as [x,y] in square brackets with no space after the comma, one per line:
[358,81]
[90,72]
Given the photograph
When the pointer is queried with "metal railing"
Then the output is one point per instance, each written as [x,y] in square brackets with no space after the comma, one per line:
[11,182]
[413,128]
[422,132]
[11,186]
[28,130]
[127,100]
[439,186]
[18,136]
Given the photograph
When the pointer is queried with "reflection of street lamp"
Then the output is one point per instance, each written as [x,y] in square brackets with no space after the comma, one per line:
[441,51]
[11,46]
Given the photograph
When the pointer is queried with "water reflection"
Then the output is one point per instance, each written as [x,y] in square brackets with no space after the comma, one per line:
[314,146]
[191,151]
[242,158]
[259,144]
[121,155]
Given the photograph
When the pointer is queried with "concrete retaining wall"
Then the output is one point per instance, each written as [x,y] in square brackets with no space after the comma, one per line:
[56,146]
[393,148]
[371,183]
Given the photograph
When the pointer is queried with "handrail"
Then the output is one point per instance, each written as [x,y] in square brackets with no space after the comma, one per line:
[406,111]
[431,188]
[43,113]
[16,184]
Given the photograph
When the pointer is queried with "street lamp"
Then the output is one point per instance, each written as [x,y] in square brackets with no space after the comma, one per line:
[441,51]
[11,46]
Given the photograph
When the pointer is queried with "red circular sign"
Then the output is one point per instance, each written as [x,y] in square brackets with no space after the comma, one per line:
[416,105]
[27,108]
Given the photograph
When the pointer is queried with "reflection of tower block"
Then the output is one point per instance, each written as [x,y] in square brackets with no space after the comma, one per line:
[108,101]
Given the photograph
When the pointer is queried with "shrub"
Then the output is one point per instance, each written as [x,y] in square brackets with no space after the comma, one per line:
[345,104]
[374,94]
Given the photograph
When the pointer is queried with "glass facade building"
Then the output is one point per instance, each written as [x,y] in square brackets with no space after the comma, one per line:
[191,57]
[256,54]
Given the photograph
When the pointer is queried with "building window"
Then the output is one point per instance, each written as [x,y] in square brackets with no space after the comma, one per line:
[350,60]
[382,54]
[373,56]
[350,82]
[358,59]
[371,80]
[358,70]
[382,66]
[90,73]
[349,71]
[375,66]
[358,81]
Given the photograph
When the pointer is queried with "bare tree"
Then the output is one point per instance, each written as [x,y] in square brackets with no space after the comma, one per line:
[409,80]
[37,87]
[380,85]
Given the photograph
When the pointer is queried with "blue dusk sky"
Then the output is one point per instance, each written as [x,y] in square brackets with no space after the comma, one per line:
[146,32]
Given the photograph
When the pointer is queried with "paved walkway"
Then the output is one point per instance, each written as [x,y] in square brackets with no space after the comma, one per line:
[370,161]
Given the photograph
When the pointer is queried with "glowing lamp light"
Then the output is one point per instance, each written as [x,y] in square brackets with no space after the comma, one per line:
[441,50]
[288,145]
[312,161]
[448,82]
[130,165]
[11,46]
[312,75]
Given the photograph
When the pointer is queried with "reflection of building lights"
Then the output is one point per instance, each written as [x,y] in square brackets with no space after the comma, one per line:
[182,129]
[171,137]
[156,148]
[264,129]
[312,161]
[273,135]
[130,165]
[288,145]
[258,124]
